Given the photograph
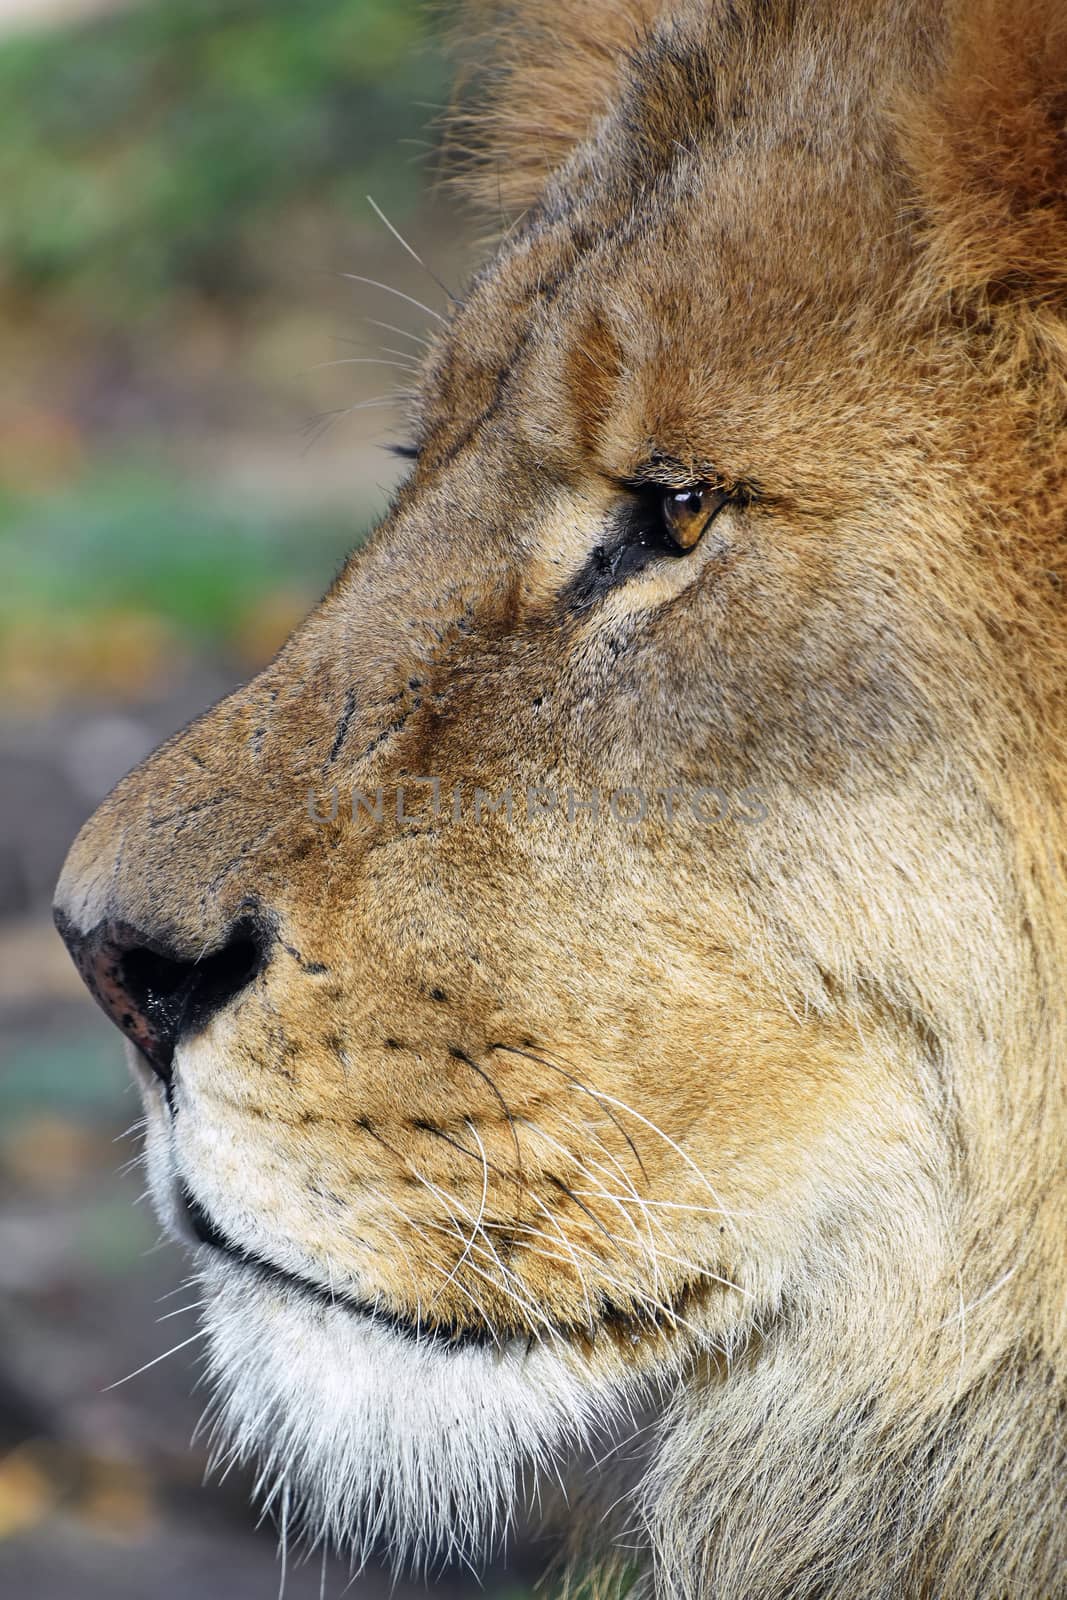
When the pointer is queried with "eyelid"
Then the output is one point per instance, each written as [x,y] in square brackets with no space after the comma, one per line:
[742,490]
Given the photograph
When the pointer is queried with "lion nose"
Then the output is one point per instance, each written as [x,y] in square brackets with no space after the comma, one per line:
[154,993]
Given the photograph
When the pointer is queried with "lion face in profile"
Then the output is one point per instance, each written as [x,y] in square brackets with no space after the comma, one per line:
[598,994]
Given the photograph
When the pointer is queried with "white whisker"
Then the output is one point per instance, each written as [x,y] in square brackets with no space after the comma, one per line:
[199,1334]
[404,333]
[374,283]
[399,237]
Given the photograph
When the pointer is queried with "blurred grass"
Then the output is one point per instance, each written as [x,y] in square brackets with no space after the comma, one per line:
[131,536]
[86,1077]
[112,584]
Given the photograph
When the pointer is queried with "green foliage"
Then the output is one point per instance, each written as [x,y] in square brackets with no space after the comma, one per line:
[133,537]
[147,151]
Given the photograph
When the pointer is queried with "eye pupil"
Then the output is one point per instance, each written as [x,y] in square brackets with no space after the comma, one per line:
[687,512]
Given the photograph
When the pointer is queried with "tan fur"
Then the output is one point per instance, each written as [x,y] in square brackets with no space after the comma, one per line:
[782,1102]
[534,79]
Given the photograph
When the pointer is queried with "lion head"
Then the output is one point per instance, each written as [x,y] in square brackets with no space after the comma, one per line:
[598,995]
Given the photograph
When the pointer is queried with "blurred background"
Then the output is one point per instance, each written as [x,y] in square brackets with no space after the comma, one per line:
[193,409]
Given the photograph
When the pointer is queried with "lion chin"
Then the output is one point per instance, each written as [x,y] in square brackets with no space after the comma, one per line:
[389,1439]
[600,993]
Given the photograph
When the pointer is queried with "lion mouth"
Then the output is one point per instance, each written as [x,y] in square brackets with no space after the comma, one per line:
[207,1232]
[623,1325]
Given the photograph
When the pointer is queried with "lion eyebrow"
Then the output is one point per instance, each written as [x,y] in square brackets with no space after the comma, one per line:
[660,467]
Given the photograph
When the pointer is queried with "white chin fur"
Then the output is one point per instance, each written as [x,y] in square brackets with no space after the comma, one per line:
[425,1449]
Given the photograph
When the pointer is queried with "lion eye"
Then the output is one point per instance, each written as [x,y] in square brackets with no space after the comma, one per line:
[688,512]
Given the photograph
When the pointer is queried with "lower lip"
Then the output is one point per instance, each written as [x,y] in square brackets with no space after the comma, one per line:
[206,1232]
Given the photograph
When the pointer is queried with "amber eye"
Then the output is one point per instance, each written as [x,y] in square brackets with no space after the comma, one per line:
[687,512]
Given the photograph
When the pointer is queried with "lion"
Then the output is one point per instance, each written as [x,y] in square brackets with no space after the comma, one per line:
[599,993]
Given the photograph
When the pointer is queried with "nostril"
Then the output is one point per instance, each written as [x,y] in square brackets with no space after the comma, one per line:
[147,972]
[186,994]
[155,996]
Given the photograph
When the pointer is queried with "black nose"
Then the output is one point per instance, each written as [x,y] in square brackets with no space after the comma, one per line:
[154,994]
